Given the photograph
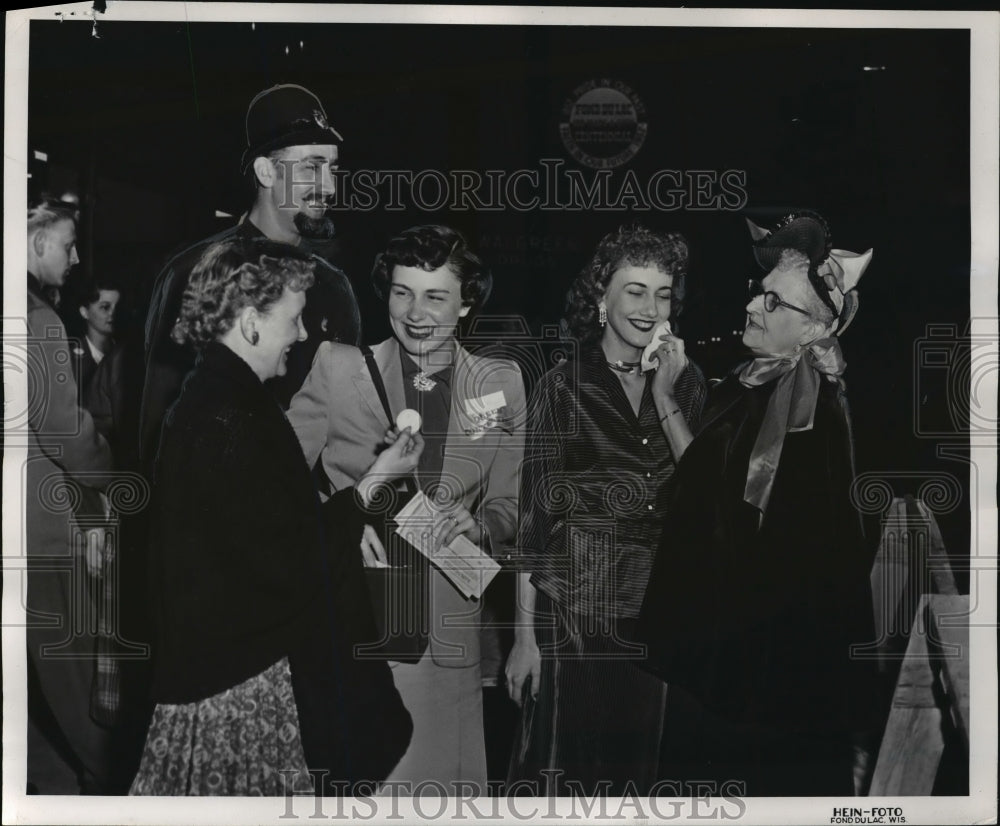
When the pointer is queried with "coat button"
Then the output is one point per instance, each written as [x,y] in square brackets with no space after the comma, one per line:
[645,441]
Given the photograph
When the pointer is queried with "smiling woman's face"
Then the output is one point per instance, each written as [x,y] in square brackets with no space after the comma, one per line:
[637,300]
[424,309]
[279,328]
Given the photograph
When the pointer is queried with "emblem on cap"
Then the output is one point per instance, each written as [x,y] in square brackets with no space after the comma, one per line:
[320,119]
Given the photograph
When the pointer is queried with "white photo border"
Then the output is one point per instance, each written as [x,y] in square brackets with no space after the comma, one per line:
[984,28]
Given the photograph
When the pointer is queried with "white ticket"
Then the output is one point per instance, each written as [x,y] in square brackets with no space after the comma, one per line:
[467,566]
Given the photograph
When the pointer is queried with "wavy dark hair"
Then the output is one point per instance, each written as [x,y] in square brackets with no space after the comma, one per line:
[232,275]
[636,245]
[431,247]
[91,290]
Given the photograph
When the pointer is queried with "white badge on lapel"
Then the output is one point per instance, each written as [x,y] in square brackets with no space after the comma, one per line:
[484,413]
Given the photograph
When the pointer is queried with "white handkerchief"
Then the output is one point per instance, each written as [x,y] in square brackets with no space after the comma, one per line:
[650,360]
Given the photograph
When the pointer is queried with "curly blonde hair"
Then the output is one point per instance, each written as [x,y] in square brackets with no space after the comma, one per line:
[232,275]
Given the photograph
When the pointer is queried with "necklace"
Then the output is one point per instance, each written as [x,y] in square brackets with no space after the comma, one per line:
[623,366]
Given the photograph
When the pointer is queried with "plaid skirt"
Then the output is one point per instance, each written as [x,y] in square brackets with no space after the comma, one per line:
[244,741]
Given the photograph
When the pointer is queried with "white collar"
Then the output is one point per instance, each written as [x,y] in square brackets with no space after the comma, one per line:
[96,354]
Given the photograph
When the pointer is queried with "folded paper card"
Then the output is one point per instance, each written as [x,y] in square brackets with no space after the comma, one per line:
[463,562]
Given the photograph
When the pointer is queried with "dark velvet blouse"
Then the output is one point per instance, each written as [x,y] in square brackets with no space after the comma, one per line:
[595,485]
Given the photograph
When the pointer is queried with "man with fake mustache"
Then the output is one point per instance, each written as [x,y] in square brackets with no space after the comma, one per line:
[290,157]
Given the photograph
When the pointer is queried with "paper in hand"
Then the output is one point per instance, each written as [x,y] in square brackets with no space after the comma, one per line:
[464,563]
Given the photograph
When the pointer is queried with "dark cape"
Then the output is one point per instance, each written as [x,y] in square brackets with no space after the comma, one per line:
[247,569]
[756,618]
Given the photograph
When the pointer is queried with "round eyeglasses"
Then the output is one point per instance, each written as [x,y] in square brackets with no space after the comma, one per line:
[771,299]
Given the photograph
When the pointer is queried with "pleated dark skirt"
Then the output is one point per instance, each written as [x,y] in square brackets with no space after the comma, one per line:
[597,724]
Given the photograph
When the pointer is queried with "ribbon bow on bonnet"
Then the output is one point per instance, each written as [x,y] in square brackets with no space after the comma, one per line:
[837,271]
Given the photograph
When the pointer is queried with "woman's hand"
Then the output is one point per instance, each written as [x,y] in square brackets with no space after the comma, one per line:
[391,435]
[401,456]
[524,661]
[459,521]
[372,550]
[672,364]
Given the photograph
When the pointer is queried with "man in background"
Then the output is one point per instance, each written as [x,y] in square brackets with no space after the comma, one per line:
[291,153]
[68,461]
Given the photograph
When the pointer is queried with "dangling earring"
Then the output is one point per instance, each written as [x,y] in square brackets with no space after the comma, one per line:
[602,314]
[255,338]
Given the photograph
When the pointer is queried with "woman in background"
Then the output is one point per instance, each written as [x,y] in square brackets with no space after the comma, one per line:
[595,487]
[98,308]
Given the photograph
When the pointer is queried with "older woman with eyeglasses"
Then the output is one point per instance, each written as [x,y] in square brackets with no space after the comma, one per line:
[756,599]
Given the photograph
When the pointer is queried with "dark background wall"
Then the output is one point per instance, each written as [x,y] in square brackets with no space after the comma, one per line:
[145,124]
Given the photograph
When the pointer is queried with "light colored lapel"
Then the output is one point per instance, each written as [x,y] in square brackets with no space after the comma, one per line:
[387,360]
[463,457]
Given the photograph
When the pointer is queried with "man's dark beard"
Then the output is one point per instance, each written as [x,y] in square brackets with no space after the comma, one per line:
[319,229]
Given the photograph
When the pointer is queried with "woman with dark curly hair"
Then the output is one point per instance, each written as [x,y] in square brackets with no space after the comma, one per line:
[594,491]
[237,559]
[472,409]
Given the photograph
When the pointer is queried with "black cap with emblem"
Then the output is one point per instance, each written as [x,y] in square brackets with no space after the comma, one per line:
[285,115]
